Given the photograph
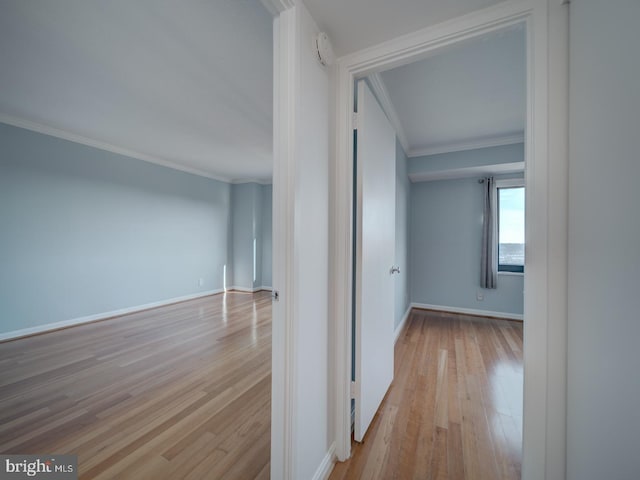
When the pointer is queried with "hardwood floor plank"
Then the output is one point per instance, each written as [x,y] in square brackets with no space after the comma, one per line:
[182,391]
[439,467]
[380,447]
[442,390]
[454,409]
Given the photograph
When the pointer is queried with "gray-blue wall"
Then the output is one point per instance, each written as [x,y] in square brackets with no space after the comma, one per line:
[85,231]
[445,245]
[403,186]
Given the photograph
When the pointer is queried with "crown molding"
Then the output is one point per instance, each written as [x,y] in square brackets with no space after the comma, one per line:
[275,7]
[417,45]
[470,145]
[90,142]
[466,172]
[382,94]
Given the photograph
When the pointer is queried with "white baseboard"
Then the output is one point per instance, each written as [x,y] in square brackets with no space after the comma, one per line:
[398,331]
[469,311]
[100,316]
[248,290]
[326,466]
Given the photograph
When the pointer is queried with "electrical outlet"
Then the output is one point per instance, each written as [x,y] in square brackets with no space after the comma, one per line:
[479,296]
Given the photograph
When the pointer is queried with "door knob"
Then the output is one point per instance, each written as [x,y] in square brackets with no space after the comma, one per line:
[395,269]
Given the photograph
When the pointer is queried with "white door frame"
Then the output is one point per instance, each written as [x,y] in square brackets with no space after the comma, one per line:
[283,347]
[544,383]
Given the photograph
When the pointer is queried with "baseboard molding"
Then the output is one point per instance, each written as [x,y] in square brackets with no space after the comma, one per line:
[398,331]
[27,332]
[248,290]
[469,311]
[326,466]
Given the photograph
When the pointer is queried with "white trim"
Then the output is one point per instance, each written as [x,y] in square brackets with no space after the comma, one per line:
[469,311]
[398,330]
[468,145]
[425,42]
[466,172]
[275,7]
[107,147]
[382,95]
[510,274]
[326,466]
[557,285]
[542,393]
[260,181]
[341,248]
[509,182]
[286,91]
[246,289]
[101,316]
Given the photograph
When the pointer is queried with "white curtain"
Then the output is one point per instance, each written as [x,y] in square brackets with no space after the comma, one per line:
[488,267]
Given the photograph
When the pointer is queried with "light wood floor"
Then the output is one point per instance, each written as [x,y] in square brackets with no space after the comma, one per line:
[454,410]
[181,391]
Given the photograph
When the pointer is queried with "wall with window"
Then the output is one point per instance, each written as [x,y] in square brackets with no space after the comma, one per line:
[445,249]
[510,220]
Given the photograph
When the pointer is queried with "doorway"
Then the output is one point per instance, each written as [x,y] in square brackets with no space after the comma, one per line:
[538,384]
[455,117]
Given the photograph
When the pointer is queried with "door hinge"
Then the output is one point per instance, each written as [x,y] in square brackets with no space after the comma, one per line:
[275,295]
[353,390]
[354,120]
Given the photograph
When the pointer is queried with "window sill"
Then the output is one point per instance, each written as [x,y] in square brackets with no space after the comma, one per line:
[516,274]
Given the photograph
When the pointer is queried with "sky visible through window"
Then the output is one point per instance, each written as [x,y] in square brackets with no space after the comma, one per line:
[511,226]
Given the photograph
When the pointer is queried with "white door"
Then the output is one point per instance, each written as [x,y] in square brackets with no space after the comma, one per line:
[375,253]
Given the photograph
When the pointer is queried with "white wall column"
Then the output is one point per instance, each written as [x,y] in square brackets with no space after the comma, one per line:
[300,443]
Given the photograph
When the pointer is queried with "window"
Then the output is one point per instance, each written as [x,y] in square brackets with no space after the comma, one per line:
[510,226]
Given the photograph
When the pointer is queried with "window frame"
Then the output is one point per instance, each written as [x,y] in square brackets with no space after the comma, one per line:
[504,269]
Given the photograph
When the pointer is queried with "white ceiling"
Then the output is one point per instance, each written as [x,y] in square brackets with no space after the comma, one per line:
[189,83]
[186,83]
[470,95]
[356,24]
